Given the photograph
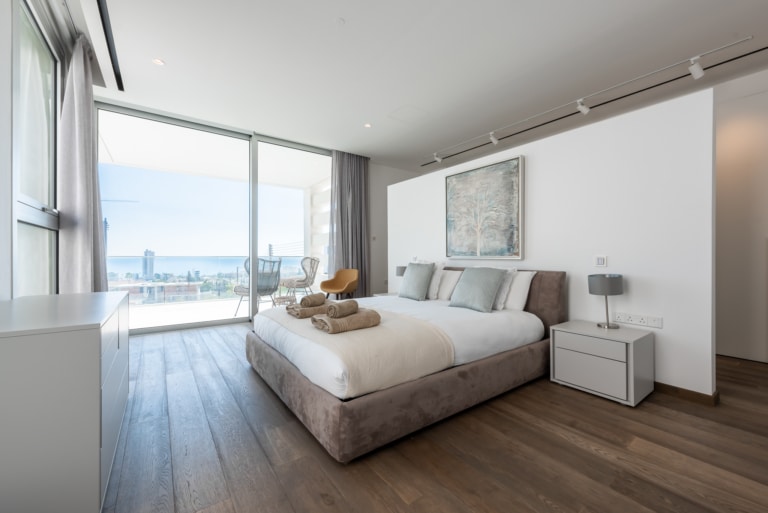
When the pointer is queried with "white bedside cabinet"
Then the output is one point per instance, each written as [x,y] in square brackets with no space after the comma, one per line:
[617,364]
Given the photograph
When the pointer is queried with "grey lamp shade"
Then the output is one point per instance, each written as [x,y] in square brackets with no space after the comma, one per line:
[400,270]
[606,284]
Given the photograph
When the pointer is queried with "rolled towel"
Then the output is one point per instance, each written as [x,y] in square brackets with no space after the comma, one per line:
[301,312]
[342,308]
[316,299]
[363,318]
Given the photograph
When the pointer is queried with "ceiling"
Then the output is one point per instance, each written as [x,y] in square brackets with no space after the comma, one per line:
[429,76]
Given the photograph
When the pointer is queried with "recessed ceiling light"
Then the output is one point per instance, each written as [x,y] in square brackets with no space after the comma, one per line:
[158,62]
[367,125]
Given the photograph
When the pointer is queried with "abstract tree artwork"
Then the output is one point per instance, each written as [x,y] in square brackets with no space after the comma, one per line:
[484,211]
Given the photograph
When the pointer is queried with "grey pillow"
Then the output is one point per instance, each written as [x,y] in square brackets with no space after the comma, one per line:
[477,288]
[416,281]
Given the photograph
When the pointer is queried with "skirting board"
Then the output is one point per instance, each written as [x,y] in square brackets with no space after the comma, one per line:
[689,395]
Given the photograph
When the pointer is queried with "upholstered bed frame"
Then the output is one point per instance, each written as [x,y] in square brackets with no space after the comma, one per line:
[350,428]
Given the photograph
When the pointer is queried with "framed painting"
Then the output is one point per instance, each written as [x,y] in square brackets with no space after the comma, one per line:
[484,211]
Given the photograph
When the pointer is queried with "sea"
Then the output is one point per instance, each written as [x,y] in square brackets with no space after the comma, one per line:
[195,265]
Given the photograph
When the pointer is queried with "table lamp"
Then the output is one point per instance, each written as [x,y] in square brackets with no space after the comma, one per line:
[606,285]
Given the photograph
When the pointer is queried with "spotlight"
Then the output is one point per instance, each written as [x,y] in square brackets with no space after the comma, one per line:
[494,140]
[582,108]
[695,68]
[437,159]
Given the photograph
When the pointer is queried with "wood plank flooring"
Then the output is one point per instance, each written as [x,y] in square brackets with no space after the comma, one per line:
[203,433]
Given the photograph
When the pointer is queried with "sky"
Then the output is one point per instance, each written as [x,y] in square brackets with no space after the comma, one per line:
[177,214]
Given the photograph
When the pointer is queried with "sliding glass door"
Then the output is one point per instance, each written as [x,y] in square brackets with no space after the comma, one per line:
[294,197]
[176,205]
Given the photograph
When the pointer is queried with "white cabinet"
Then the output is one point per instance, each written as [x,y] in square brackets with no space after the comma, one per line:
[63,391]
[617,364]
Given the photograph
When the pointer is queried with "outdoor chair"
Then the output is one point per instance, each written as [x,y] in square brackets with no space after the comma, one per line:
[267,280]
[309,265]
[243,290]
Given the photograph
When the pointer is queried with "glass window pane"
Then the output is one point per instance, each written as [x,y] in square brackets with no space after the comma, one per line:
[34,114]
[294,207]
[36,257]
[176,209]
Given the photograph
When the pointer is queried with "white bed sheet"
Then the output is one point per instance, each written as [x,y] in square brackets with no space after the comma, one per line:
[475,335]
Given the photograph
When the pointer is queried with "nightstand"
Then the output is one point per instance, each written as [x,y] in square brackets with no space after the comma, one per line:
[617,364]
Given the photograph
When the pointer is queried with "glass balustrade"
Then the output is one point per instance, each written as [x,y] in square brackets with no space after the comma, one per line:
[167,290]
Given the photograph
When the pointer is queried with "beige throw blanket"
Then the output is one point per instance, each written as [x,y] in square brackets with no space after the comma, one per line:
[342,308]
[400,349]
[363,318]
[305,312]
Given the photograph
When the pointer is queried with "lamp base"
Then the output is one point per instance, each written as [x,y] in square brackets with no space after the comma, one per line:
[608,325]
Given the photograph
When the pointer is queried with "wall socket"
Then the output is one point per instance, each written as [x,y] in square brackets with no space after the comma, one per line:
[640,320]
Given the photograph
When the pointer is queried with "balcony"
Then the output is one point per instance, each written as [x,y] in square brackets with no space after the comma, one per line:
[165,291]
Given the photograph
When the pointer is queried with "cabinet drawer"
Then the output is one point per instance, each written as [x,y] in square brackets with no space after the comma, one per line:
[109,345]
[591,345]
[601,375]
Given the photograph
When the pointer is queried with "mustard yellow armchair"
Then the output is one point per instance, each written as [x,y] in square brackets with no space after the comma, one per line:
[343,282]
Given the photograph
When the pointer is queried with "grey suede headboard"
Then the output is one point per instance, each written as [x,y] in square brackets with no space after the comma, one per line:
[546,297]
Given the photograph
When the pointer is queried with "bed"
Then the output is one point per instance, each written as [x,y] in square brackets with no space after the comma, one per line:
[350,427]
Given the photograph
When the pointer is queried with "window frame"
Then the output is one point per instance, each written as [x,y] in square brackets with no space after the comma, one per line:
[26,209]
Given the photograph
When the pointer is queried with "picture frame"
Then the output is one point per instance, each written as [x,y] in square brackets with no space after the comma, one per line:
[484,211]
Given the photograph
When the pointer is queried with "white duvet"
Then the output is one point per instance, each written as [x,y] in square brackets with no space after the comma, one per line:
[345,369]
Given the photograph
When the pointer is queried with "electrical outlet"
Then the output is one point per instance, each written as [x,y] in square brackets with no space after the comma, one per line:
[640,320]
[601,261]
[655,322]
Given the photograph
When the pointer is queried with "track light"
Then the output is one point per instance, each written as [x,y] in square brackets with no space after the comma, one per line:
[695,68]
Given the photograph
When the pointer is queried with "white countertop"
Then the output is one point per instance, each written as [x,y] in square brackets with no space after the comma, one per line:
[61,312]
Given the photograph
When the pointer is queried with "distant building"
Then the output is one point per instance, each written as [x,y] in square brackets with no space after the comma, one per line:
[148,265]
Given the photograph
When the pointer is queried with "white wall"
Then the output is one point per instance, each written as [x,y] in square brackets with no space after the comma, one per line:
[637,188]
[379,178]
[742,218]
[7,14]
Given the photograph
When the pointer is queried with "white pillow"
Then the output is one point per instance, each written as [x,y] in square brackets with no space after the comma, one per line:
[518,291]
[501,295]
[448,282]
[434,284]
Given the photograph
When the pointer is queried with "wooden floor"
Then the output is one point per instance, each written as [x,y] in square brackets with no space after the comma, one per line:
[203,433]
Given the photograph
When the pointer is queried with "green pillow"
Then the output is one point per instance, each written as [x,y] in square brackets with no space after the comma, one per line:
[477,288]
[416,281]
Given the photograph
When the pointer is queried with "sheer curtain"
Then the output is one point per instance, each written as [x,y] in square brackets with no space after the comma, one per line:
[82,262]
[349,242]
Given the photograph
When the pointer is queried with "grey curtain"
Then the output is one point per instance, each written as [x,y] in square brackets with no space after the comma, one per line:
[349,241]
[82,262]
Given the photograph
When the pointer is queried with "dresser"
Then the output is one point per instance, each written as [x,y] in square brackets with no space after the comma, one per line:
[63,392]
[617,364]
